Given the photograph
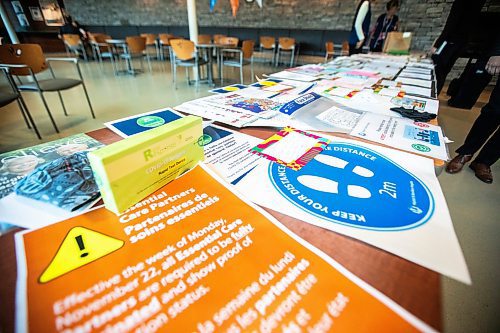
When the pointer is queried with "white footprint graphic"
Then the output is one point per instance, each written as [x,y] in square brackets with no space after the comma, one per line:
[319,183]
[330,186]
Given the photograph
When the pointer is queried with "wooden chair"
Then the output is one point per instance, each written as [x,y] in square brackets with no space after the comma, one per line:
[73,43]
[11,94]
[31,61]
[286,44]
[184,54]
[329,50]
[135,49]
[228,41]
[345,48]
[217,38]
[244,57]
[164,42]
[268,44]
[101,49]
[152,42]
[204,39]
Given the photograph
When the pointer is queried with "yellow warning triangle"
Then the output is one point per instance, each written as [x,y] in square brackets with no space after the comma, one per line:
[80,247]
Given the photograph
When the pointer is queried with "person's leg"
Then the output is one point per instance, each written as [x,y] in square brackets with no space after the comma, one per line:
[490,153]
[485,125]
[354,50]
[444,62]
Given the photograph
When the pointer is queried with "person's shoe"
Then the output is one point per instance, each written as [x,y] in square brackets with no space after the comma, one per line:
[457,163]
[482,171]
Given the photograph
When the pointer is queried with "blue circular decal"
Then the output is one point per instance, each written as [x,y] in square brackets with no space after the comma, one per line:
[356,186]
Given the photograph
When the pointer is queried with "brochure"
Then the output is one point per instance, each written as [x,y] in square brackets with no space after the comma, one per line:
[419,138]
[15,165]
[192,257]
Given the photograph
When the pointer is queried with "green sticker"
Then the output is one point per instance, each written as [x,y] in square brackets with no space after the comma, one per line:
[150,121]
[205,139]
[420,147]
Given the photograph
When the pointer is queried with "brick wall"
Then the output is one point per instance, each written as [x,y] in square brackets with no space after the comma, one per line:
[424,18]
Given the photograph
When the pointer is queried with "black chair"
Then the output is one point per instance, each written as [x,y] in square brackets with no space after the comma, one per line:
[10,94]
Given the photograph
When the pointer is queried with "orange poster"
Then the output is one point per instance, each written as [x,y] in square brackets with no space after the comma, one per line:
[192,257]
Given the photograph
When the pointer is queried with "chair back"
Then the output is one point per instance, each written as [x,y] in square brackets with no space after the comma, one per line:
[267,42]
[229,41]
[204,39]
[217,38]
[136,44]
[100,38]
[30,55]
[72,40]
[345,48]
[286,43]
[183,48]
[94,35]
[329,47]
[150,38]
[165,38]
[247,48]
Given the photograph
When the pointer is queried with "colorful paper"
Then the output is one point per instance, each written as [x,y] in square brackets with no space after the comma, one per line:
[291,147]
[193,257]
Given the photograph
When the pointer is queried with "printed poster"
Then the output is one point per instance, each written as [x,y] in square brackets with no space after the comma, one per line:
[415,137]
[15,165]
[384,197]
[193,257]
[128,126]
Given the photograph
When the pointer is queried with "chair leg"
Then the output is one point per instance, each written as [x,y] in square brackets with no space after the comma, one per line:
[241,74]
[62,103]
[149,62]
[291,58]
[221,74]
[88,100]
[48,111]
[25,112]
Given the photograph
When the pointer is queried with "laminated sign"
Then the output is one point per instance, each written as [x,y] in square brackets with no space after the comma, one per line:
[192,257]
[387,198]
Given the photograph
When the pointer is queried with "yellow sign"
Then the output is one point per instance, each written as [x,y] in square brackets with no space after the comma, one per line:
[80,247]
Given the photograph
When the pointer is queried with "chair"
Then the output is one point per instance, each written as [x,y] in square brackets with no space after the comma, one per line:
[286,44]
[13,94]
[101,49]
[245,58]
[204,39]
[268,44]
[152,41]
[330,50]
[228,41]
[31,62]
[164,44]
[184,54]
[73,43]
[217,38]
[135,49]
[345,48]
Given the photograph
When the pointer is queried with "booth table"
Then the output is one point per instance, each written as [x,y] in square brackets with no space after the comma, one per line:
[415,288]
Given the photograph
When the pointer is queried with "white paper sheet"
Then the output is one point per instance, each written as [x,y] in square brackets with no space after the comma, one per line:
[419,138]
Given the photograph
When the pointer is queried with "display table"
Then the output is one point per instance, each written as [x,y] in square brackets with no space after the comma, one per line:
[415,288]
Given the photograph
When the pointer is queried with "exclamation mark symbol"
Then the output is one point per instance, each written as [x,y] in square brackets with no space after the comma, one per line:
[79,240]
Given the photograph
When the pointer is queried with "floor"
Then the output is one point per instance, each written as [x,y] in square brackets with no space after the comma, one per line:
[474,206]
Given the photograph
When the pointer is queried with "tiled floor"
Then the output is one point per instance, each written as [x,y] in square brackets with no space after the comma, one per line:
[474,206]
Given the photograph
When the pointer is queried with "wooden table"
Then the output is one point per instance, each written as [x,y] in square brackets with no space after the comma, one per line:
[414,287]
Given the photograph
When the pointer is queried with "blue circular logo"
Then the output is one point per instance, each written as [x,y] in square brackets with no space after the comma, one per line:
[355,186]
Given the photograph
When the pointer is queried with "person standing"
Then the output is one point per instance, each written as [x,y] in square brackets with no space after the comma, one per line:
[386,23]
[449,45]
[360,27]
[484,131]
